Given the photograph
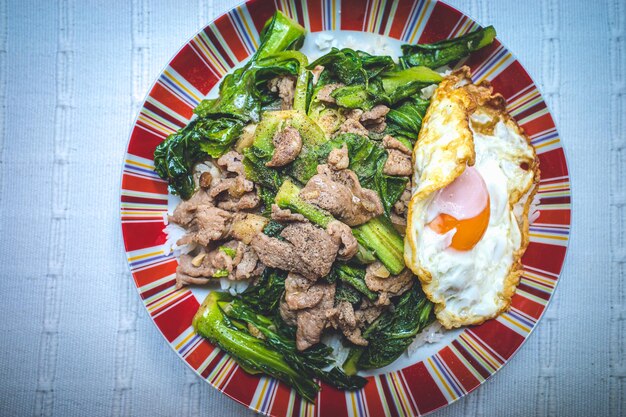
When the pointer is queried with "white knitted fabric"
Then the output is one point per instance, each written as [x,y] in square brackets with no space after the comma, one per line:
[74,337]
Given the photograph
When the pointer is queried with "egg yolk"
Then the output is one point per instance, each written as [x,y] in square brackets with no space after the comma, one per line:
[468,231]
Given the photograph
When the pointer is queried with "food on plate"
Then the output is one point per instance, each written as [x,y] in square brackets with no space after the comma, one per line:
[296,182]
[473,167]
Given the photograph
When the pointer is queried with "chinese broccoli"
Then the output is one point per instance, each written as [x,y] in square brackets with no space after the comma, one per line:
[437,54]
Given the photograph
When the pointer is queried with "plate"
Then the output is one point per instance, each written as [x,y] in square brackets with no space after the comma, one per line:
[434,376]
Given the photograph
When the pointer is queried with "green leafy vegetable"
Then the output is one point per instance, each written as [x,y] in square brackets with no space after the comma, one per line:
[273,229]
[406,119]
[228,251]
[264,297]
[221,120]
[220,273]
[379,236]
[256,171]
[392,87]
[346,292]
[355,277]
[175,157]
[437,54]
[253,354]
[392,332]
[309,363]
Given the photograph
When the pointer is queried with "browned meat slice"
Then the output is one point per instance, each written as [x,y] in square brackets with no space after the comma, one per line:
[312,321]
[307,250]
[197,269]
[324,94]
[342,235]
[285,86]
[199,265]
[300,293]
[375,115]
[247,201]
[248,266]
[289,317]
[343,317]
[287,147]
[402,204]
[235,186]
[354,114]
[398,222]
[316,249]
[232,162]
[353,126]
[209,223]
[338,158]
[185,212]
[368,312]
[389,142]
[285,215]
[378,279]
[374,119]
[340,193]
[398,163]
[275,253]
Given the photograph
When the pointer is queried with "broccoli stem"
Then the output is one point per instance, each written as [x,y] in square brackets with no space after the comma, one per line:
[251,353]
[379,236]
[288,197]
[350,365]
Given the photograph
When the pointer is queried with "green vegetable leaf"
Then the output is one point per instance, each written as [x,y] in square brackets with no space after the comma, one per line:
[346,292]
[406,119]
[353,276]
[228,251]
[273,229]
[392,332]
[221,120]
[253,354]
[265,296]
[175,157]
[437,54]
[220,273]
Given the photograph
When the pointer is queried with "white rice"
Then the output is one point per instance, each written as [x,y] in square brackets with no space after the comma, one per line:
[333,340]
[325,41]
[431,334]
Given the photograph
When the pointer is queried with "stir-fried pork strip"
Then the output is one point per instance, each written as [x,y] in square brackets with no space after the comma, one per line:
[312,321]
[285,86]
[340,193]
[287,147]
[307,250]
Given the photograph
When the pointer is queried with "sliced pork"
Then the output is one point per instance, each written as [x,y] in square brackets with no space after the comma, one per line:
[306,250]
[285,86]
[340,193]
[287,147]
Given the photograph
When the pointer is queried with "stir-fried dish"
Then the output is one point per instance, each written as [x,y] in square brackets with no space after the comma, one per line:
[298,179]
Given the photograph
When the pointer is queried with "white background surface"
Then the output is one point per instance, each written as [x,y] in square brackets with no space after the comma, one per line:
[74,337]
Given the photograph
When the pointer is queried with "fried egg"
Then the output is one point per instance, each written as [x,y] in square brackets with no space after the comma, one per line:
[475,175]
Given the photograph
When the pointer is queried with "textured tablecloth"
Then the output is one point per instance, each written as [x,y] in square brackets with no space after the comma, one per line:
[74,336]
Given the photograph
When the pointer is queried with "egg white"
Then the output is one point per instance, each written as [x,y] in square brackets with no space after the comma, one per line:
[469,287]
